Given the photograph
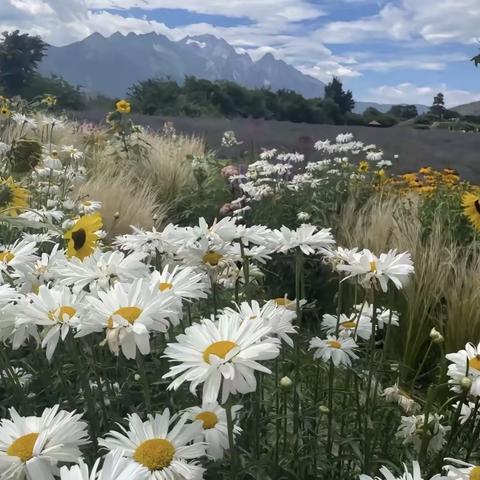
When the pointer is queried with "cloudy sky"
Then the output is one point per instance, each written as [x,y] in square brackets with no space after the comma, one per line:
[388,51]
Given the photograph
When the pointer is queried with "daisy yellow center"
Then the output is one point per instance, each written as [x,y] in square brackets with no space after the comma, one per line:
[59,313]
[22,447]
[220,349]
[6,256]
[79,238]
[282,301]
[165,286]
[373,266]
[334,344]
[475,473]
[475,362]
[212,258]
[155,454]
[209,419]
[130,314]
[349,324]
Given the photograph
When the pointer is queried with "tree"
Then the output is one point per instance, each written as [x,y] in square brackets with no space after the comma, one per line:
[438,107]
[20,55]
[334,91]
[403,112]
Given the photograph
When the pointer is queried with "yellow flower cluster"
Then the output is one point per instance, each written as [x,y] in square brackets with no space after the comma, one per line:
[426,181]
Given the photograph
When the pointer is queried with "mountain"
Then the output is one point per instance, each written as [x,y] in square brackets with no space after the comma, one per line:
[360,107]
[110,65]
[468,109]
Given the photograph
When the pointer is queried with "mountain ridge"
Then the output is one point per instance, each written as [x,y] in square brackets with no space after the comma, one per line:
[110,65]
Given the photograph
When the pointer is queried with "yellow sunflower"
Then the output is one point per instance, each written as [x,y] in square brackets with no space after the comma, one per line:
[82,237]
[13,197]
[471,208]
[123,106]
[363,166]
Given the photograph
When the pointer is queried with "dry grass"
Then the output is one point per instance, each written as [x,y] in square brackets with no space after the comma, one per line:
[164,167]
[135,204]
[443,271]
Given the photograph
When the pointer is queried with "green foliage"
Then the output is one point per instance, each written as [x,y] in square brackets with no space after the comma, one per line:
[438,107]
[403,112]
[334,91]
[373,115]
[24,154]
[20,55]
[68,96]
[198,98]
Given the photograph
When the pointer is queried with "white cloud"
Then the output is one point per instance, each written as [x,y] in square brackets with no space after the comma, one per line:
[292,10]
[435,21]
[410,93]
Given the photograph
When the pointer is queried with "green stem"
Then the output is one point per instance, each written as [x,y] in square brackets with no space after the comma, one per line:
[146,386]
[231,443]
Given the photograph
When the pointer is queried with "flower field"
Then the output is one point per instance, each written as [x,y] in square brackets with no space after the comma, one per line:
[168,315]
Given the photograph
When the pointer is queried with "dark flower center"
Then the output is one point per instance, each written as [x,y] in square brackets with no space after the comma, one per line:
[79,237]
[477,206]
[5,195]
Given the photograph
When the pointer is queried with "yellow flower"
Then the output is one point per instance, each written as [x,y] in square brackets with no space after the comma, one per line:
[4,112]
[123,106]
[471,208]
[363,166]
[82,237]
[50,100]
[426,171]
[12,197]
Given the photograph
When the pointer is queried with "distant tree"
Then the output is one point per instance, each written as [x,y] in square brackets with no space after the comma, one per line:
[438,107]
[67,95]
[20,55]
[334,91]
[403,112]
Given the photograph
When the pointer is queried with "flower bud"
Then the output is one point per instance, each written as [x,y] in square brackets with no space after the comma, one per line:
[323,409]
[116,215]
[435,336]
[465,384]
[155,218]
[137,377]
[285,384]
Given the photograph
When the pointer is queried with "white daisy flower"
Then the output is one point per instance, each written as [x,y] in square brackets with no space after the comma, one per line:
[395,394]
[306,237]
[224,354]
[129,313]
[32,447]
[43,214]
[388,475]
[384,316]
[337,349]
[10,330]
[460,470]
[89,206]
[183,282]
[73,153]
[215,429]
[348,325]
[115,467]
[286,303]
[411,429]
[164,449]
[149,242]
[56,309]
[100,270]
[466,411]
[276,318]
[17,260]
[466,363]
[372,270]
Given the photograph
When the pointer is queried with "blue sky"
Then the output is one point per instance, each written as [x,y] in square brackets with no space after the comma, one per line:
[388,51]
